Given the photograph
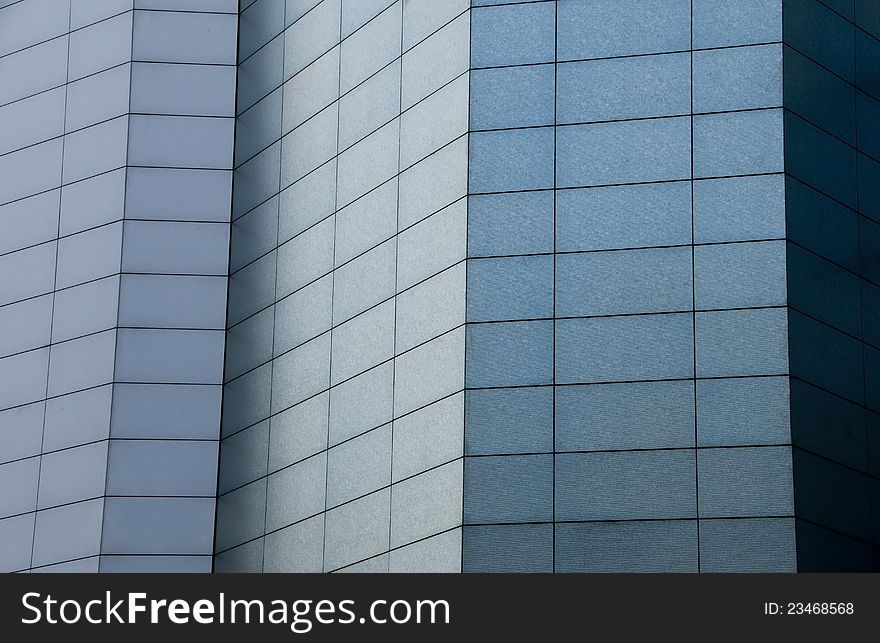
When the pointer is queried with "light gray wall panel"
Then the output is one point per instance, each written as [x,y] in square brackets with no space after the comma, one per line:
[67,87]
[88,308]
[82,363]
[86,12]
[89,255]
[33,70]
[29,221]
[26,325]
[342,275]
[206,90]
[25,377]
[77,418]
[100,46]
[165,411]
[183,195]
[80,525]
[72,475]
[98,97]
[21,431]
[92,202]
[28,23]
[158,525]
[179,36]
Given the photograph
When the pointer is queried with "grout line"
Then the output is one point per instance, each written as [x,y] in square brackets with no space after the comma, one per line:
[670,52]
[55,87]
[681,115]
[467,265]
[105,121]
[225,317]
[332,274]
[694,295]
[100,440]
[118,290]
[396,284]
[555,284]
[52,309]
[114,169]
[274,325]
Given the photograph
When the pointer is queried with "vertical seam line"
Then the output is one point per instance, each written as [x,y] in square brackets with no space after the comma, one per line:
[396,279]
[274,294]
[553,347]
[52,309]
[694,299]
[228,280]
[119,286]
[467,261]
[332,295]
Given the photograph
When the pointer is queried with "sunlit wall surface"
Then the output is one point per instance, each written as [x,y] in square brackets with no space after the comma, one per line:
[115,173]
[343,405]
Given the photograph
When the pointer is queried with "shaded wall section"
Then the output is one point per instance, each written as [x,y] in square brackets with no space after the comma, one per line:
[831,59]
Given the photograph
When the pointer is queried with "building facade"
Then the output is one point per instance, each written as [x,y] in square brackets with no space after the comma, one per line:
[544,286]
[116,138]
